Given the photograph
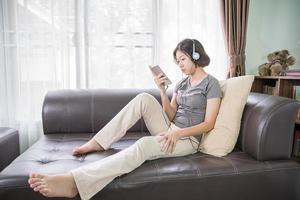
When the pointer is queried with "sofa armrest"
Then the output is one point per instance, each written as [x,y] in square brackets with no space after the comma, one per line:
[9,145]
[267,126]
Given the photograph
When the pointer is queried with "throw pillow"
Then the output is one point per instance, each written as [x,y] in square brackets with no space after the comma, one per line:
[222,138]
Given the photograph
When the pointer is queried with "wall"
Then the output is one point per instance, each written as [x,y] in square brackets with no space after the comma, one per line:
[272,25]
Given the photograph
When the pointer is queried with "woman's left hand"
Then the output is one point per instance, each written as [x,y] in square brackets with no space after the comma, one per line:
[168,140]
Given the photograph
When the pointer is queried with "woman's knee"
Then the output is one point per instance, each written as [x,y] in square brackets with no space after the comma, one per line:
[147,142]
[145,97]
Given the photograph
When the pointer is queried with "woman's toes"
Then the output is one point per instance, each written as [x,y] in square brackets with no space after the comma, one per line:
[38,188]
[33,180]
[35,175]
[33,185]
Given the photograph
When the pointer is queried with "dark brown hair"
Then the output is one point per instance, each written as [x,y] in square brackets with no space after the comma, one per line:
[186,46]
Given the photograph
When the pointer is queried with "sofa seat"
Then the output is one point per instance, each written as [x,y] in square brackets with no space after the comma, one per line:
[53,153]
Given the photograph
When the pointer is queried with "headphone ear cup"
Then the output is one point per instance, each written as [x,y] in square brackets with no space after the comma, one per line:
[196,56]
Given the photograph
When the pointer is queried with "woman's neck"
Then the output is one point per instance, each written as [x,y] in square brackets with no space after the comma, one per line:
[198,75]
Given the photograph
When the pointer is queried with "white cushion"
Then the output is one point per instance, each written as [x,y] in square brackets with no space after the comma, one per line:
[222,138]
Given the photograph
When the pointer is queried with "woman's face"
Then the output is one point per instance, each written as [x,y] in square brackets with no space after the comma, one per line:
[185,63]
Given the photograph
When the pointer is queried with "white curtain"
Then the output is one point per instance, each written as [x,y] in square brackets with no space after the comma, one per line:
[197,19]
[37,54]
[54,44]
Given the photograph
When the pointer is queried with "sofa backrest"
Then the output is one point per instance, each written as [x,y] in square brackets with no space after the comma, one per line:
[266,129]
[86,110]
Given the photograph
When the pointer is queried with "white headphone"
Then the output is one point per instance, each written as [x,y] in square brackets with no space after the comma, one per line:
[195,55]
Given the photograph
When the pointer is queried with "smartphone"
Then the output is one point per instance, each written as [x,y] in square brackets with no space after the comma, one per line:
[157,70]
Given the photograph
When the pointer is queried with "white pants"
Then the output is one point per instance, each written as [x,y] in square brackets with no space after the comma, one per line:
[91,178]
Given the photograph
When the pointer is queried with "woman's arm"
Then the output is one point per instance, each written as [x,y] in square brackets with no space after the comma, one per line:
[170,138]
[170,108]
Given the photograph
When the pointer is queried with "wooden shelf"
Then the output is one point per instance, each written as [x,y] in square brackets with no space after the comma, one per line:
[278,77]
[278,85]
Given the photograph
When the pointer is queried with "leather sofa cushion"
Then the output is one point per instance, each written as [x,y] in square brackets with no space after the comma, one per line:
[52,155]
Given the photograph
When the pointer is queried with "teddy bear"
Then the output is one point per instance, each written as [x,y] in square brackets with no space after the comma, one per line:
[278,61]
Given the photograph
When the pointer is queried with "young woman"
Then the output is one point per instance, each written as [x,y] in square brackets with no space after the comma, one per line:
[176,128]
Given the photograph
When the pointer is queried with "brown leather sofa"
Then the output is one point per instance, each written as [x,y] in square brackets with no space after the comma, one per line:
[259,168]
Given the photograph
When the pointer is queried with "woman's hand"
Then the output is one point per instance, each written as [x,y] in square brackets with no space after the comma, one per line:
[168,140]
[160,81]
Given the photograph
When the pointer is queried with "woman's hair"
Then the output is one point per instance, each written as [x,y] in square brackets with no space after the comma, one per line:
[186,46]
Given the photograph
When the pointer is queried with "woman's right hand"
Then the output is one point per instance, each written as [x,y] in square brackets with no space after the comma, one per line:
[160,80]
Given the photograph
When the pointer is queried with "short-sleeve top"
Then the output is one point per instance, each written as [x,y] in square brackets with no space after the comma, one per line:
[192,100]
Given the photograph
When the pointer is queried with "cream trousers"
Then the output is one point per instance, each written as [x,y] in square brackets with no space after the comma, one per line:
[92,178]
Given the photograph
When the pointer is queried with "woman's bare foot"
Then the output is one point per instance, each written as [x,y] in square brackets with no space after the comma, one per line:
[90,146]
[54,185]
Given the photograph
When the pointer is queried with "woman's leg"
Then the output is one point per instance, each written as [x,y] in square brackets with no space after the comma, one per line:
[93,177]
[143,105]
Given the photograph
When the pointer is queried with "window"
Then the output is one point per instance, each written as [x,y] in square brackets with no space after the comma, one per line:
[120,43]
[55,44]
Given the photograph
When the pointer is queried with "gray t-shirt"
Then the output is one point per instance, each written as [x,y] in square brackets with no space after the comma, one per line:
[192,100]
